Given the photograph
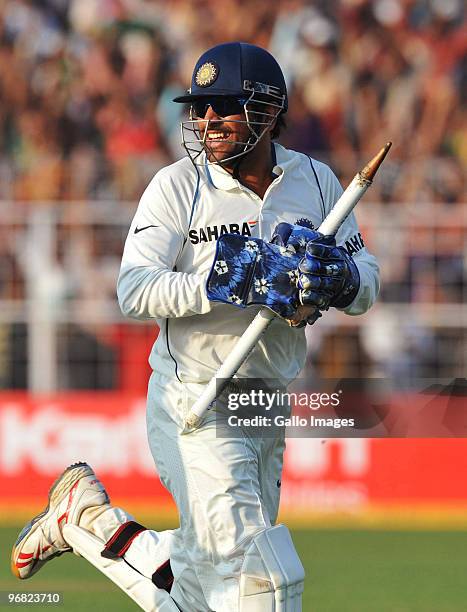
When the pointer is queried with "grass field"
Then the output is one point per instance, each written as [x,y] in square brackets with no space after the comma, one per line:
[347,571]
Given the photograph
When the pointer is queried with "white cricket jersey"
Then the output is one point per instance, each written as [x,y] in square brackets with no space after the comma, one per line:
[171,245]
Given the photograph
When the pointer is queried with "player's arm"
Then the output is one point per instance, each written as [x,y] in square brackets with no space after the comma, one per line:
[349,238]
[148,286]
[343,272]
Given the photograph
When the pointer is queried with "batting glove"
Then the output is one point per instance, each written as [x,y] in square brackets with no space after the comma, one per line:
[295,238]
[328,276]
[248,271]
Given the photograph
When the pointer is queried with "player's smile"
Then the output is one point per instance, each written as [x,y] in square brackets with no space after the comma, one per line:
[218,139]
[222,136]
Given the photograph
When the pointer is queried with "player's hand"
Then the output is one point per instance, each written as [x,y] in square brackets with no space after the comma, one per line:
[327,275]
[304,315]
[248,271]
[293,237]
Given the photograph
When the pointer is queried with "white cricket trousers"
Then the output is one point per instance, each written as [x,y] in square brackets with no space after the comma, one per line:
[226,491]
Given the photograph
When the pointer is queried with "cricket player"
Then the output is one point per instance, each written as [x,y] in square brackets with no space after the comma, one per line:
[182,267]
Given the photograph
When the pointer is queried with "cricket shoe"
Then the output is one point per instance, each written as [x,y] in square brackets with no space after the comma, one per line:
[75,490]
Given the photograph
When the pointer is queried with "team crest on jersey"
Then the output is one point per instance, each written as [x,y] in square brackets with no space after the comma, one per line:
[212,232]
[207,74]
[304,222]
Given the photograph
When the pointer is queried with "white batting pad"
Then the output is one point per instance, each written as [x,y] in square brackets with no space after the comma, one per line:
[272,576]
[138,587]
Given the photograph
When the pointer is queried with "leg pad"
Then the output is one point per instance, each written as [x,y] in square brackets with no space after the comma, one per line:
[272,576]
[135,585]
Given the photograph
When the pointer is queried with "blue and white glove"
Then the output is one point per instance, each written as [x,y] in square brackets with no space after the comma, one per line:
[295,238]
[249,271]
[328,275]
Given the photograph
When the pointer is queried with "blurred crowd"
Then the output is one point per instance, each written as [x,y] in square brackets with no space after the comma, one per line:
[86,115]
[86,88]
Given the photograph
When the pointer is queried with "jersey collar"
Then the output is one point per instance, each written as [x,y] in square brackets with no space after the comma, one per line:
[221,179]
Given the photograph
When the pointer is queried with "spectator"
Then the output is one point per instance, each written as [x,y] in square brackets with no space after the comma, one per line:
[85,84]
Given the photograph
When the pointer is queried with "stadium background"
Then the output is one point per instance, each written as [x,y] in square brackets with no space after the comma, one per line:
[85,121]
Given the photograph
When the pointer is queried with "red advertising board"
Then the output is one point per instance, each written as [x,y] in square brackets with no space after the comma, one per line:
[39,436]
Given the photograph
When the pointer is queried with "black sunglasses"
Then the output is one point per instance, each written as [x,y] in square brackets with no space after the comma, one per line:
[223,106]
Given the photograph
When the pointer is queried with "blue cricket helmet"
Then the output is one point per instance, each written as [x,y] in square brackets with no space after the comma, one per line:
[237,69]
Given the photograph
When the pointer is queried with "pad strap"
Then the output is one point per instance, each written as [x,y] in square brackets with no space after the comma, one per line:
[121,540]
[141,589]
[163,577]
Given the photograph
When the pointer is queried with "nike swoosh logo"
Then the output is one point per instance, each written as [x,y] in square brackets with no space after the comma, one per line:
[140,229]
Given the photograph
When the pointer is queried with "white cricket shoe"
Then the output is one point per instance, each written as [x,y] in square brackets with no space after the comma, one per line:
[75,490]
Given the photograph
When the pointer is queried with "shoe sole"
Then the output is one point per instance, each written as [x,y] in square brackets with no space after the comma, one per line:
[60,488]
